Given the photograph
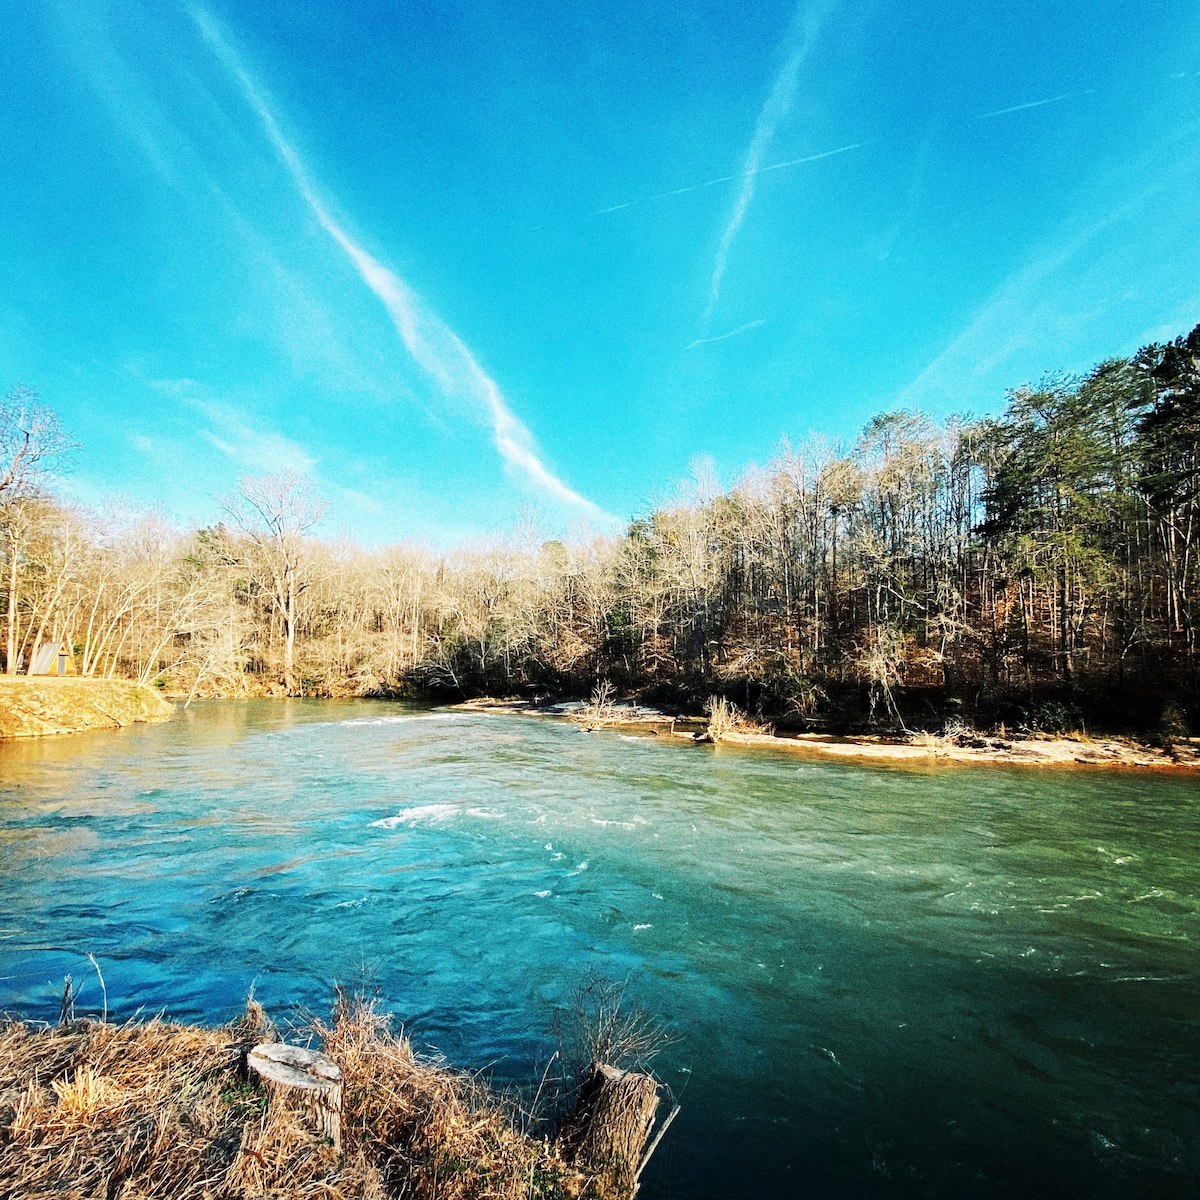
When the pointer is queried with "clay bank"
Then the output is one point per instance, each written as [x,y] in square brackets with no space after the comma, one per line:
[36,706]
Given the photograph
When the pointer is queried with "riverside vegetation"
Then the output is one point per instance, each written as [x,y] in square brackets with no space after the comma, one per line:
[162,1109]
[1037,571]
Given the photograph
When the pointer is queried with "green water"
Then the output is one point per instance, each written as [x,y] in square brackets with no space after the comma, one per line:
[882,981]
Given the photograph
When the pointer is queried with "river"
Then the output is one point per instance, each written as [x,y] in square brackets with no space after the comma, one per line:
[880,981]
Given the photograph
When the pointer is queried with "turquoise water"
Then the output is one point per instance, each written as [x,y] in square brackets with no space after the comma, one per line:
[882,981]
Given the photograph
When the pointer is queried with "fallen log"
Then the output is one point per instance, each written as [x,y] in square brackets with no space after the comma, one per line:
[302,1079]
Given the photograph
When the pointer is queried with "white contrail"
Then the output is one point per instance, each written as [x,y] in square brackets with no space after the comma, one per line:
[795,162]
[696,187]
[432,343]
[724,336]
[1003,112]
[777,106]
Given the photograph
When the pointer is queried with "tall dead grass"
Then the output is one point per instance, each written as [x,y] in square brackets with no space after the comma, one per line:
[600,710]
[130,1112]
[724,718]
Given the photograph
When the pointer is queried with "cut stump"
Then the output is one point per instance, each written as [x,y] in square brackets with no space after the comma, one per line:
[607,1132]
[302,1079]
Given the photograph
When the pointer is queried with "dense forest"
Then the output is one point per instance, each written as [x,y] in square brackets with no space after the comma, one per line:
[1040,568]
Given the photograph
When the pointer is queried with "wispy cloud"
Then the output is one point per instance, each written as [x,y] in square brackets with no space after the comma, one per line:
[243,441]
[361,501]
[806,25]
[1003,112]
[725,336]
[1055,290]
[434,346]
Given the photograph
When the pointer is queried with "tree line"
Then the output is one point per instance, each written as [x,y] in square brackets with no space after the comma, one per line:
[1040,567]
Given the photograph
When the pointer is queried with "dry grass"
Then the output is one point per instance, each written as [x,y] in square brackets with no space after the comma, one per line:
[956,734]
[601,710]
[725,717]
[161,1110]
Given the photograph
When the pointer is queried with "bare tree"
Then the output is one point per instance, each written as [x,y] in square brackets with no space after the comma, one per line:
[276,512]
[31,439]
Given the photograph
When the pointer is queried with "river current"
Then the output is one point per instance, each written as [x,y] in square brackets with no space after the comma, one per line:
[881,981]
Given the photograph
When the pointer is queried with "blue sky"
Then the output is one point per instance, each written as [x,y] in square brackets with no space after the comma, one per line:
[453,260]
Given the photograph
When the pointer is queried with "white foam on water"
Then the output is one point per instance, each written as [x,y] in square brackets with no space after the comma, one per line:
[618,824]
[376,721]
[637,927]
[421,812]
[351,903]
[542,895]
[656,895]
[559,855]
[486,814]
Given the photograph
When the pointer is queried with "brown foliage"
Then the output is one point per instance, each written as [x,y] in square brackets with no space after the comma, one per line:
[160,1109]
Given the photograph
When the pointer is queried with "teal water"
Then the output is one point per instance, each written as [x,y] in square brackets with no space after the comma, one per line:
[882,981]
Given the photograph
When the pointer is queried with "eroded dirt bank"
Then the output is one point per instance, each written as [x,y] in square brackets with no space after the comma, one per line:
[38,706]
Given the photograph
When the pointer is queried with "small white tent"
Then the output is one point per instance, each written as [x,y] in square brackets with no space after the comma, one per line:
[54,658]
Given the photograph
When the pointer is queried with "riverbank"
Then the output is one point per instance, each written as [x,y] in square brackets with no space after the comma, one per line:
[164,1109]
[917,748]
[38,706]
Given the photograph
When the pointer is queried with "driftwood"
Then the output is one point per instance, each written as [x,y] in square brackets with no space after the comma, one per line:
[607,1131]
[658,1137]
[302,1079]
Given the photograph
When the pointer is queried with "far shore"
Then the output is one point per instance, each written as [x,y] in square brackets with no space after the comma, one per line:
[916,748]
[32,708]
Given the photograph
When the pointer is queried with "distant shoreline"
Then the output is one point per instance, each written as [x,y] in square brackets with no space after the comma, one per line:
[46,707]
[919,749]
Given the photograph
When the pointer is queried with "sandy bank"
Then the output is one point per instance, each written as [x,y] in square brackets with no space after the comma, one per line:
[1029,752]
[919,748]
[38,706]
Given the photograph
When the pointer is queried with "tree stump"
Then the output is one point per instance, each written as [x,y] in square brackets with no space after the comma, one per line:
[303,1079]
[607,1131]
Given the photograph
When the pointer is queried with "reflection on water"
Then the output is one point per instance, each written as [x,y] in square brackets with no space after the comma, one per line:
[884,981]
